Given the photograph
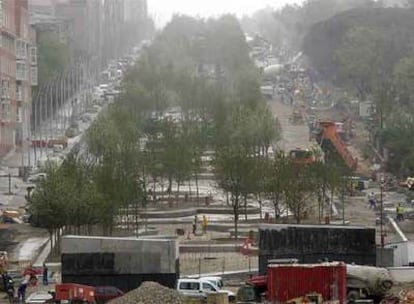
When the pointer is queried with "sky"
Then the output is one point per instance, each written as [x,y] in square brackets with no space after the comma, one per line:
[162,10]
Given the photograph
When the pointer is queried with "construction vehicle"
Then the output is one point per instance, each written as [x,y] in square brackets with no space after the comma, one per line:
[302,157]
[362,282]
[309,156]
[330,140]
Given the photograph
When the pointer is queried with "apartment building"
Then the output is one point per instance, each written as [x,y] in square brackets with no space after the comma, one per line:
[18,67]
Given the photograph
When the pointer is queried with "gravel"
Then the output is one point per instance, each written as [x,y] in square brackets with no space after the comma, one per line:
[150,293]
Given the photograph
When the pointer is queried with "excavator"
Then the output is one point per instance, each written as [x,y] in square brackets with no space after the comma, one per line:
[330,140]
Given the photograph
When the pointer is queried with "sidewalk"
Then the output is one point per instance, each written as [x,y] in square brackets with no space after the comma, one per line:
[14,159]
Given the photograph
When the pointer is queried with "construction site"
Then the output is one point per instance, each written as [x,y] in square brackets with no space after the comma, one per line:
[357,248]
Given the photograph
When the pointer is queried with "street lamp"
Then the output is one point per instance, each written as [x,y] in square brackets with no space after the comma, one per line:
[382,212]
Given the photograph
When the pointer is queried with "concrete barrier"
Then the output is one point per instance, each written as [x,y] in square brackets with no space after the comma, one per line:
[402,274]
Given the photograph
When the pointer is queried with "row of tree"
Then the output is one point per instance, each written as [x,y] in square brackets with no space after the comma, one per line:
[177,103]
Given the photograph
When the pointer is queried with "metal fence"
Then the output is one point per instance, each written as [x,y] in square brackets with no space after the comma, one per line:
[215,262]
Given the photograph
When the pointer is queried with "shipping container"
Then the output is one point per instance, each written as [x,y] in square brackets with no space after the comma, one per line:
[287,282]
[316,243]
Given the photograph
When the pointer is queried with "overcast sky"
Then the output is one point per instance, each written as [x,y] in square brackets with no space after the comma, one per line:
[162,10]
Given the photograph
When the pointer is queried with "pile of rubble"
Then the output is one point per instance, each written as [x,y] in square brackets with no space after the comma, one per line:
[150,293]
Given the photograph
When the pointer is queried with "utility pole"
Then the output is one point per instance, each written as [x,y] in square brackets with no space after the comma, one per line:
[382,213]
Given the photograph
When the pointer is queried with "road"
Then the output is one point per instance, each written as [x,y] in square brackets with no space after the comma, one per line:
[293,136]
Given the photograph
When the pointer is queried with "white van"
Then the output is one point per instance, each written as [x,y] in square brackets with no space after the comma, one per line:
[200,288]
[218,281]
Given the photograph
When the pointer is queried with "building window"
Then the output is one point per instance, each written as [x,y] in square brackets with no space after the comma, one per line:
[5,111]
[33,55]
[21,49]
[19,92]
[33,76]
[19,115]
[5,89]
[20,71]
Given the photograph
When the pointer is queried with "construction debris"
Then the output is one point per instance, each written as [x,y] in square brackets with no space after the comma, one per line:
[150,293]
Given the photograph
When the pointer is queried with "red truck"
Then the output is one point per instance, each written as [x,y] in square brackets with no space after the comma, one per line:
[286,282]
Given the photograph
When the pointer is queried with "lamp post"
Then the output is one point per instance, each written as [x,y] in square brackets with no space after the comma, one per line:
[382,212]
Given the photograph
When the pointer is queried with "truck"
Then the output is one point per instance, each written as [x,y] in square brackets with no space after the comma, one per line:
[333,281]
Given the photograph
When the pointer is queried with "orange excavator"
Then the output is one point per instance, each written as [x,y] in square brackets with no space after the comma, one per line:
[329,139]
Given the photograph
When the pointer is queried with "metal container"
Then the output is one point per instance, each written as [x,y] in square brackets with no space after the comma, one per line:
[287,282]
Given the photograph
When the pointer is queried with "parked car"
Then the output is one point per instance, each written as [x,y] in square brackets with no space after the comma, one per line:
[104,294]
[199,288]
[39,297]
[36,178]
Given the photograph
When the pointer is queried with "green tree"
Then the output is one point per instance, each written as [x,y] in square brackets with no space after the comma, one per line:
[404,78]
[359,59]
[53,58]
[48,205]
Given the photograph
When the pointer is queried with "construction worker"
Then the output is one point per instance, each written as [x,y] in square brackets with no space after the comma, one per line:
[21,291]
[372,201]
[400,212]
[204,224]
[45,274]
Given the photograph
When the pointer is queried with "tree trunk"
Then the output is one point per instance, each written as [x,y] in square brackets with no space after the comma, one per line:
[177,196]
[51,242]
[153,190]
[245,207]
[197,189]
[298,217]
[169,187]
[236,217]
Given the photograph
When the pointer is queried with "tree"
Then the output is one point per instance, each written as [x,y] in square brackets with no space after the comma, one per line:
[359,59]
[53,55]
[404,78]
[232,168]
[276,179]
[48,205]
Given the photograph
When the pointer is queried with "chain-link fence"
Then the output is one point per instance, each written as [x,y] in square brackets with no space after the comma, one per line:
[215,262]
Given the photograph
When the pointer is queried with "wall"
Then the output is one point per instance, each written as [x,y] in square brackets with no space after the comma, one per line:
[402,274]
[122,262]
[313,243]
[403,253]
